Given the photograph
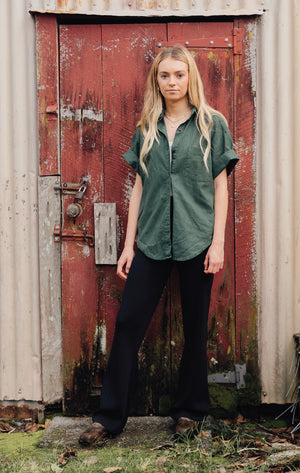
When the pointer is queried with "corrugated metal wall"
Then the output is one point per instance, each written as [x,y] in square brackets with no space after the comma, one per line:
[152,7]
[20,361]
[278,183]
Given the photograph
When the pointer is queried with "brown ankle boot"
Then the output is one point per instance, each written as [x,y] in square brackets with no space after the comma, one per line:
[185,425]
[93,434]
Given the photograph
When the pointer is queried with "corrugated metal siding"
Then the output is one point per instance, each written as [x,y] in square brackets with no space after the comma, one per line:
[20,361]
[150,7]
[278,188]
[278,184]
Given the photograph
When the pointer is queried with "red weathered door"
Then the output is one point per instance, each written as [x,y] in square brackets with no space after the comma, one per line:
[102,70]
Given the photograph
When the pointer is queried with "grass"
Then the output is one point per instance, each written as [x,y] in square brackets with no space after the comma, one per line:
[238,448]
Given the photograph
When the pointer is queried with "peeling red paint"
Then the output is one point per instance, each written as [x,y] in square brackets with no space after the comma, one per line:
[47,60]
[246,311]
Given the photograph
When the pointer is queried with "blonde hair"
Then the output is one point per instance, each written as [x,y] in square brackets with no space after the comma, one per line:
[154,103]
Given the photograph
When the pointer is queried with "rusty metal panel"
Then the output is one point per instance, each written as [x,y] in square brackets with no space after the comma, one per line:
[20,358]
[50,296]
[150,7]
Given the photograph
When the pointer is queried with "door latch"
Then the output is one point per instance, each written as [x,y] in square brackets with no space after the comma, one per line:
[81,191]
[77,188]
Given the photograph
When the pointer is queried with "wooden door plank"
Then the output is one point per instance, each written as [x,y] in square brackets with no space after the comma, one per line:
[246,304]
[217,73]
[184,31]
[82,157]
[50,297]
[128,52]
[47,68]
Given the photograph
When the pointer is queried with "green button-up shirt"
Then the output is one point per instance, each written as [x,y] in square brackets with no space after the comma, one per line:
[192,188]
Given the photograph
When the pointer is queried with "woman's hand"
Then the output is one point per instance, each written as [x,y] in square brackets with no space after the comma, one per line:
[124,263]
[214,260]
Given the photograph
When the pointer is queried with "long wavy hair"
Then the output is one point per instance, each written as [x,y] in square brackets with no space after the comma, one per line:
[154,103]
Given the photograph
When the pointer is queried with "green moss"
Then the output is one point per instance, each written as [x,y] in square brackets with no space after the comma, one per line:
[224,401]
[275,423]
[251,395]
[164,405]
[227,401]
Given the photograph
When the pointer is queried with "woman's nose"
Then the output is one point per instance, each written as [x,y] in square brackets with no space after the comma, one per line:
[172,80]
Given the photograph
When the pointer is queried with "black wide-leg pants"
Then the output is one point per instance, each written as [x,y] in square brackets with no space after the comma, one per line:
[144,285]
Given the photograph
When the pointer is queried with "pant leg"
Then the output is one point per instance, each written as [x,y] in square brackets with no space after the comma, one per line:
[142,291]
[192,399]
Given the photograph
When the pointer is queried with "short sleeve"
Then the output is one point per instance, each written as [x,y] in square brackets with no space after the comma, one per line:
[222,154]
[132,156]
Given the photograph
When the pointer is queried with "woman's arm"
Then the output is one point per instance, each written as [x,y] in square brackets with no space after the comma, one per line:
[214,260]
[127,255]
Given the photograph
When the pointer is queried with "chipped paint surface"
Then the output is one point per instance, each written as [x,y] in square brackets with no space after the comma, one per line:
[68,113]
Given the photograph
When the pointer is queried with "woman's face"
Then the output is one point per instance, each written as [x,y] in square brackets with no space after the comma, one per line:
[173,79]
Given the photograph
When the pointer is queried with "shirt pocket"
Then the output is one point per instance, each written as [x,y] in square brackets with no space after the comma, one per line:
[194,167]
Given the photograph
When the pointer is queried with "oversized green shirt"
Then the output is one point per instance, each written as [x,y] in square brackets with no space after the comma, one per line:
[192,188]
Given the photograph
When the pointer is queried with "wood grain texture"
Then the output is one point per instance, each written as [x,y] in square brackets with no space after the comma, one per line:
[48,105]
[50,283]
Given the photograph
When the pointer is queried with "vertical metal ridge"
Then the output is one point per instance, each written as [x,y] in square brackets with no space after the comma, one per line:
[296,163]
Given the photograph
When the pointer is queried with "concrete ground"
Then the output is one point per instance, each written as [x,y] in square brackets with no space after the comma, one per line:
[147,431]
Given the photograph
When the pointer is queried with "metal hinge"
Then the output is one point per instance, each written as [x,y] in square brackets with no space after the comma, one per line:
[237,41]
[231,377]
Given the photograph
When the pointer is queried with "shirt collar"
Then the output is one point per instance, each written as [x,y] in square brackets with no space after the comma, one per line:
[161,116]
[161,124]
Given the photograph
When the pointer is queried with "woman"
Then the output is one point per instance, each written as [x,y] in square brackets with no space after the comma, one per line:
[182,153]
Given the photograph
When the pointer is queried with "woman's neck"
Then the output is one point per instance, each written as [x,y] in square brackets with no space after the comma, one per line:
[176,109]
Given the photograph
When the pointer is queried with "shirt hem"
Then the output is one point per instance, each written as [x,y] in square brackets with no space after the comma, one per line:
[190,255]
